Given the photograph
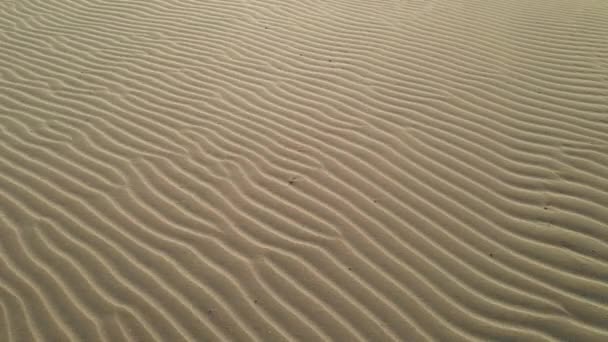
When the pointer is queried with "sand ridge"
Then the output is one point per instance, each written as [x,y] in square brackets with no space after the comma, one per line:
[345,170]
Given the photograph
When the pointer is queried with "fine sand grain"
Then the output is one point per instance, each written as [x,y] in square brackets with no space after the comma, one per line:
[274,170]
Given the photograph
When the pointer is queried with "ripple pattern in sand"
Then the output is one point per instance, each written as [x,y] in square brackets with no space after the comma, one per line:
[346,170]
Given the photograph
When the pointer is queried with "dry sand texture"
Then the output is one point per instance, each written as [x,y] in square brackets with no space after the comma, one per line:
[273,170]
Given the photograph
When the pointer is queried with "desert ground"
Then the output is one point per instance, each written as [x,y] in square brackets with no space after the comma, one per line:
[303,170]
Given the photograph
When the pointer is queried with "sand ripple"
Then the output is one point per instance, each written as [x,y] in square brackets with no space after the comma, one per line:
[306,170]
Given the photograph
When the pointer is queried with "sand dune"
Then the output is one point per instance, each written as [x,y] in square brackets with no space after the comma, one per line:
[302,170]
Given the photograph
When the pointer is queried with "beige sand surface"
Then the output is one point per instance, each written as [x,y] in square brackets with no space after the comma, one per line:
[274,170]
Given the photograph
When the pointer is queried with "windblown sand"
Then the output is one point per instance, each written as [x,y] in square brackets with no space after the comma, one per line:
[306,170]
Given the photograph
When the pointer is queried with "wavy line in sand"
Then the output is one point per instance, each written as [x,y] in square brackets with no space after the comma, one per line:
[384,170]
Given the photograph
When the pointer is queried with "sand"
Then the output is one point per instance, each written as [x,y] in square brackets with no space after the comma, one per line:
[303,170]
